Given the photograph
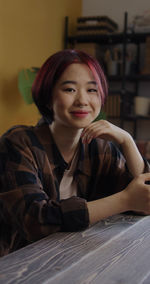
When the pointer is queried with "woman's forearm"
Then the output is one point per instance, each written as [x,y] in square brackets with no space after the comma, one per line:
[133,157]
[108,206]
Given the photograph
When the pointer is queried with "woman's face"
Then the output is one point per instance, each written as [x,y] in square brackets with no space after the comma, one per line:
[75,98]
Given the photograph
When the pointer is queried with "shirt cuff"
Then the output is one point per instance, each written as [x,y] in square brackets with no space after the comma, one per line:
[75,214]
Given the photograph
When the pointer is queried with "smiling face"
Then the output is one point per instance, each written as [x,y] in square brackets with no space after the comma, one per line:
[76,100]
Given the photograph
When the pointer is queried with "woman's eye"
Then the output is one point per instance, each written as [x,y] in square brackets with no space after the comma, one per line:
[92,90]
[69,90]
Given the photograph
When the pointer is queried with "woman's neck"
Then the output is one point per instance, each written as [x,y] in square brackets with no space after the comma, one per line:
[67,140]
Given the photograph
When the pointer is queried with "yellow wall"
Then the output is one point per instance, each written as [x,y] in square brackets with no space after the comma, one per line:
[30,31]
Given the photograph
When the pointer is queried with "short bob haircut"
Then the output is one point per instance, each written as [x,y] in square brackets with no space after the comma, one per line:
[51,71]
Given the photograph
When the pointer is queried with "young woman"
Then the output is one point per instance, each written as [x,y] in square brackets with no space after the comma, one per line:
[66,173]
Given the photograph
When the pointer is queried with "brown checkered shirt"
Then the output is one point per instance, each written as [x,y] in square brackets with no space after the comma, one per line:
[31,168]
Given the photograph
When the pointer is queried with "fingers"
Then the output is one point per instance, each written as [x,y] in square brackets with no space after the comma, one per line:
[144,198]
[96,129]
[94,125]
[138,194]
[102,129]
[90,134]
[145,178]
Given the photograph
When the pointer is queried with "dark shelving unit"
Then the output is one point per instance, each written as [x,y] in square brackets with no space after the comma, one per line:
[123,39]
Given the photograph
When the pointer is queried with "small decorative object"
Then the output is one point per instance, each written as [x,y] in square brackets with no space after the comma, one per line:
[25,80]
[142,105]
[96,25]
[141,23]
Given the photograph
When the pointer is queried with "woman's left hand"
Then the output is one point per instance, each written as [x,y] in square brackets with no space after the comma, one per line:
[105,130]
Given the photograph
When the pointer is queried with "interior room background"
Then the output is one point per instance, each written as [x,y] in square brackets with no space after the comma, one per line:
[31,30]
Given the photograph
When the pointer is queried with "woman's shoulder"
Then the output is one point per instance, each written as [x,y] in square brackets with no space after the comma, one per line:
[26,136]
[16,132]
[23,130]
[21,135]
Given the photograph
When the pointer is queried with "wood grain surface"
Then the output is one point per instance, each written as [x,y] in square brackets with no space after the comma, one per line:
[116,250]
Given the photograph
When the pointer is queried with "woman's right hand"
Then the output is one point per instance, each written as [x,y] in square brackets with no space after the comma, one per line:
[138,194]
[135,197]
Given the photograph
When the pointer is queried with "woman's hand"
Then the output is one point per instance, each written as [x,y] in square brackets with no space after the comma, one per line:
[135,197]
[105,130]
[138,194]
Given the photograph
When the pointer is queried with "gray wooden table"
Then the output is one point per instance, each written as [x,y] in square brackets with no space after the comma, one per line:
[114,251]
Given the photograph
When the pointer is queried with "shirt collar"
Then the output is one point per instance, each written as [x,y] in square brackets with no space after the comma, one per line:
[54,155]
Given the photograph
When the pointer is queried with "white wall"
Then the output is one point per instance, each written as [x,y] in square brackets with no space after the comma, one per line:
[115,9]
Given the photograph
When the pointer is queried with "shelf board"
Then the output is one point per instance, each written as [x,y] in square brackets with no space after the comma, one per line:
[114,92]
[97,38]
[139,77]
[120,92]
[114,38]
[137,37]
[142,117]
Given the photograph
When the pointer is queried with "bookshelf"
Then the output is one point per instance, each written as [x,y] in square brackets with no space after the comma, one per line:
[120,104]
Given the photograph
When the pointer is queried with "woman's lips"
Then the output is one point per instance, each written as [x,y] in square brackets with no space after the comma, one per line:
[80,114]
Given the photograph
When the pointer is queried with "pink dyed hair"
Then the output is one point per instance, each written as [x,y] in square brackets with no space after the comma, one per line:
[51,71]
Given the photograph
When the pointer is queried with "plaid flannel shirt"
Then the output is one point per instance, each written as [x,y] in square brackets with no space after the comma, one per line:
[31,168]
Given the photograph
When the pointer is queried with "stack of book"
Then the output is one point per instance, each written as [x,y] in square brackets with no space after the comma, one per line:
[146,69]
[96,25]
[112,106]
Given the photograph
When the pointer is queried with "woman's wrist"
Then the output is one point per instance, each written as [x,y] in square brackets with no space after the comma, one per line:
[128,139]
[133,157]
[108,206]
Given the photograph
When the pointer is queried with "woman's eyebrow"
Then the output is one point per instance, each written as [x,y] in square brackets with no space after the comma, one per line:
[92,82]
[68,82]
[74,82]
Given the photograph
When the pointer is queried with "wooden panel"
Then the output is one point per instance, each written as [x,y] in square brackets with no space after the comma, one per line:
[124,259]
[56,254]
[146,279]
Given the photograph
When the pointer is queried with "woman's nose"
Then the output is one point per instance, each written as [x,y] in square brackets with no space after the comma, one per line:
[81,98]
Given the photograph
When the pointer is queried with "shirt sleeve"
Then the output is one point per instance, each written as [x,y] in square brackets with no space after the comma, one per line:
[119,175]
[34,213]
